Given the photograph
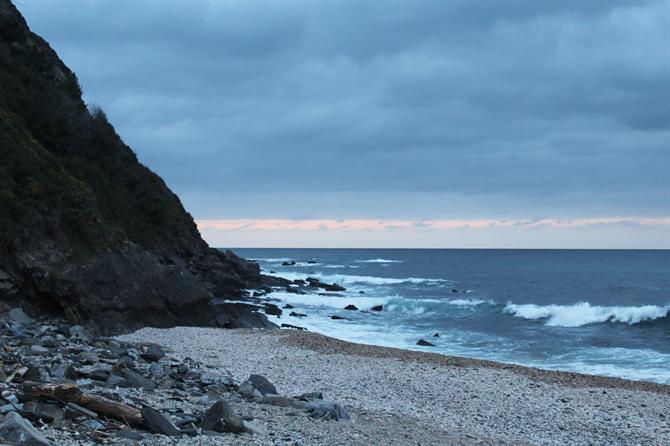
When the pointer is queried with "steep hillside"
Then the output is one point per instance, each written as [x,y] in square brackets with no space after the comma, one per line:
[85,229]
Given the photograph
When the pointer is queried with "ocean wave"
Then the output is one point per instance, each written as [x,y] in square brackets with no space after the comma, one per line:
[339,266]
[584,313]
[346,279]
[329,300]
[273,259]
[468,302]
[379,261]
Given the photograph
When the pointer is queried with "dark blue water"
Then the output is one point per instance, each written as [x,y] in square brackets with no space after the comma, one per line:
[593,311]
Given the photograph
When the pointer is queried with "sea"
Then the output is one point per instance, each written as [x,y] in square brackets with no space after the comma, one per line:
[601,312]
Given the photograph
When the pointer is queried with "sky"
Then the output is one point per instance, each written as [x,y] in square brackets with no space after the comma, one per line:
[515,124]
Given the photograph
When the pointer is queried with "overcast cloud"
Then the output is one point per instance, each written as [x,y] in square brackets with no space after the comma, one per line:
[384,110]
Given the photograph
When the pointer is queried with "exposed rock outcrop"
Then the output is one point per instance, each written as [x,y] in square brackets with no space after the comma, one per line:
[87,231]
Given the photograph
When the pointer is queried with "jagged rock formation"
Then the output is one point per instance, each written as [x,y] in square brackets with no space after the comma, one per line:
[86,231]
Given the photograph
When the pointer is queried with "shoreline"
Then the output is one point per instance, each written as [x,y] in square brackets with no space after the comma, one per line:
[460,400]
[328,344]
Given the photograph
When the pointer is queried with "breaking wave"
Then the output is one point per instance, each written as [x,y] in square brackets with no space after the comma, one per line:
[379,261]
[346,279]
[584,313]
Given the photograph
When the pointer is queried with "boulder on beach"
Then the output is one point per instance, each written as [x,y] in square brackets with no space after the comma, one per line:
[273,310]
[316,283]
[17,430]
[261,383]
[220,417]
[423,343]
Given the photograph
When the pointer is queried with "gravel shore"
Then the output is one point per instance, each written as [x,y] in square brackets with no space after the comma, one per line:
[405,397]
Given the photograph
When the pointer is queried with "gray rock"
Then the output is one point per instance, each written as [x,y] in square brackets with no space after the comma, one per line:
[377,308]
[38,350]
[246,390]
[220,417]
[51,413]
[17,430]
[37,373]
[129,435]
[327,410]
[80,333]
[153,353]
[10,408]
[155,422]
[18,315]
[136,380]
[253,428]
[88,357]
[94,424]
[261,384]
[423,343]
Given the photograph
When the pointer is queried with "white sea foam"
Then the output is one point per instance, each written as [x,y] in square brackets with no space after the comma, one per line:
[467,302]
[339,266]
[379,261]
[346,279]
[583,313]
[328,300]
[273,259]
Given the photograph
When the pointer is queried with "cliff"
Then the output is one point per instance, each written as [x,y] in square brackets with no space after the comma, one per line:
[86,231]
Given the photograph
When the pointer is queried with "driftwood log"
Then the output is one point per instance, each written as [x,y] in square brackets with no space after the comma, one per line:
[70,393]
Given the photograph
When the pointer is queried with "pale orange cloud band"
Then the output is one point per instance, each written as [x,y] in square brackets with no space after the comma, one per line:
[380,225]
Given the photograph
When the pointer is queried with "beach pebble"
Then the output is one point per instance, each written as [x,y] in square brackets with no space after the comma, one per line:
[220,417]
[19,431]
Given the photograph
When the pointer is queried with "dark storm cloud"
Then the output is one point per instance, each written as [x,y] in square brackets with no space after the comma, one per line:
[505,106]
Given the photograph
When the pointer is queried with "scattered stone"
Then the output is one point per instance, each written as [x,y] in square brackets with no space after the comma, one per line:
[436,335]
[130,435]
[424,343]
[137,380]
[289,263]
[377,308]
[220,417]
[155,422]
[17,430]
[38,350]
[94,424]
[261,384]
[288,307]
[272,310]
[351,307]
[294,314]
[80,333]
[327,410]
[153,353]
[117,381]
[18,315]
[246,390]
[338,318]
[309,396]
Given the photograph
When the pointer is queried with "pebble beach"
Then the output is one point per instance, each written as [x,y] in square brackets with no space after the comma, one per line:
[397,396]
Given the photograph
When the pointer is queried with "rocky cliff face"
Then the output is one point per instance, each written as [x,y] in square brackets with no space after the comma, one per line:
[86,231]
